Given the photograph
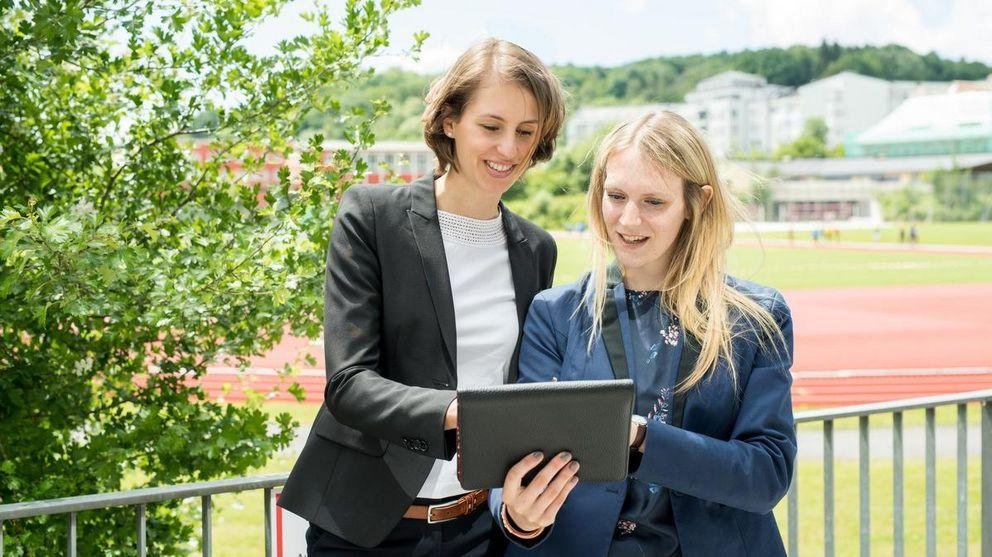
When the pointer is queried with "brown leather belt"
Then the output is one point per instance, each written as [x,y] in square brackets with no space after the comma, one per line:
[466,504]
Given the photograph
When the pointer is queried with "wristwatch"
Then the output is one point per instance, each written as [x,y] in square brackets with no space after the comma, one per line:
[642,429]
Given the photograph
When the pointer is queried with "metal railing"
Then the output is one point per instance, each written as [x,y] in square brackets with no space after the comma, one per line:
[140,498]
[896,409]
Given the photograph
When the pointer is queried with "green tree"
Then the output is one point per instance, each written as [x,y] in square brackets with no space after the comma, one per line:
[812,144]
[127,265]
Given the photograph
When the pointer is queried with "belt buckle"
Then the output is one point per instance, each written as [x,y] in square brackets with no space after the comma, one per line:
[430,509]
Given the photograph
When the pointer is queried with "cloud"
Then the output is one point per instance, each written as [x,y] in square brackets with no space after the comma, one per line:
[434,58]
[961,31]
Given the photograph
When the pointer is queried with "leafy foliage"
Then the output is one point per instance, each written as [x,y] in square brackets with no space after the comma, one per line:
[956,195]
[127,265]
[812,144]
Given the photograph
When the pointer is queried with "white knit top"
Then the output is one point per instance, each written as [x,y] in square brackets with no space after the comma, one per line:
[486,321]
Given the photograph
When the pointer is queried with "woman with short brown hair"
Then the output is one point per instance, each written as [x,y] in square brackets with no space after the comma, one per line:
[426,289]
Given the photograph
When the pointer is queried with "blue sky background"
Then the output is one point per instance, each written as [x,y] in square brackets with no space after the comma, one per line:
[616,32]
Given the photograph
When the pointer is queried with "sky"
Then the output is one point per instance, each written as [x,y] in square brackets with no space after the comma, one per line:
[616,32]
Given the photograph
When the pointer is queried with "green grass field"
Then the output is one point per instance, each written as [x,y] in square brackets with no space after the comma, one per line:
[821,267]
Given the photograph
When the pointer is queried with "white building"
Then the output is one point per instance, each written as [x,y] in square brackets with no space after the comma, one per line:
[742,113]
[733,109]
[587,121]
[848,103]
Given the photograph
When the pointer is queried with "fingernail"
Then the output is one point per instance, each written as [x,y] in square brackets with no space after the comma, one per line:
[537,454]
[574,480]
[565,456]
[574,465]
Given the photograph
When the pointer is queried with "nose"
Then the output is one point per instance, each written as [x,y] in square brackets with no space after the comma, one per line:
[629,215]
[507,146]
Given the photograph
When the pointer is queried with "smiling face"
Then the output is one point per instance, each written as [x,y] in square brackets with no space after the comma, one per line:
[494,139]
[643,210]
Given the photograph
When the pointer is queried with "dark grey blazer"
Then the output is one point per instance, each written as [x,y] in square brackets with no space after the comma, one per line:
[389,343]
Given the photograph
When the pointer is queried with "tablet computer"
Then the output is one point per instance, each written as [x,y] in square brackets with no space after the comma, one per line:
[497,426]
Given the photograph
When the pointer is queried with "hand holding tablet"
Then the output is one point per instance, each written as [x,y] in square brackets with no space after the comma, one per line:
[498,426]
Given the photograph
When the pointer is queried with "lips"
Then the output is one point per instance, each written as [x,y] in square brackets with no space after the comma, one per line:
[631,239]
[499,167]
[500,171]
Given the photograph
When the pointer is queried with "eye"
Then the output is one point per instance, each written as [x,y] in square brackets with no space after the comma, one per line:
[654,202]
[525,133]
[615,196]
[490,127]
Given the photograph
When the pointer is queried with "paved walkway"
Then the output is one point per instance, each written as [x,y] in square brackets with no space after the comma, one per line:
[880,442]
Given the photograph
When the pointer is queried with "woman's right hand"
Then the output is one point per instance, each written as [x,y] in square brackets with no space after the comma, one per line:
[535,505]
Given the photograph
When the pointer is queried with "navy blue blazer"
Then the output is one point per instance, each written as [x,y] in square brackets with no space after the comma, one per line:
[726,467]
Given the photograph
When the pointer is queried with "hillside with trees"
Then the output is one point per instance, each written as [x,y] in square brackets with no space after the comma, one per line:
[668,79]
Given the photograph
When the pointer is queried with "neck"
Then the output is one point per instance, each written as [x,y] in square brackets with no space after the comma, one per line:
[454,195]
[644,279]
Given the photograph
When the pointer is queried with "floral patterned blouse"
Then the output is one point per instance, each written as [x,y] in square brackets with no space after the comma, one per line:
[646,524]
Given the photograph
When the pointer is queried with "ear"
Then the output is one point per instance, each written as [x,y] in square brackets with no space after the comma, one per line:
[448,125]
[707,191]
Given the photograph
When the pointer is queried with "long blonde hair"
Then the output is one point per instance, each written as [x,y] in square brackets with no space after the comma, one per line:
[695,287]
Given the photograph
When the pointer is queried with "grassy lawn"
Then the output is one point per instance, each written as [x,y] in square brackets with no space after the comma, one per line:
[846,507]
[788,268]
[960,233]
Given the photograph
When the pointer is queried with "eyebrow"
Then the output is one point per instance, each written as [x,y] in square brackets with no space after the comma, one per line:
[501,119]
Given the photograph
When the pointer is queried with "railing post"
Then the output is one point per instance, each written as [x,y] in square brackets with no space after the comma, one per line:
[142,535]
[864,487]
[987,478]
[931,482]
[268,522]
[897,486]
[793,512]
[71,536]
[205,527]
[962,480]
[828,488]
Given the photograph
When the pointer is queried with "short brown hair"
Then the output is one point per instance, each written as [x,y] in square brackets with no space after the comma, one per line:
[492,57]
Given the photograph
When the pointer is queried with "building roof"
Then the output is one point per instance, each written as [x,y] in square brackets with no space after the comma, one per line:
[935,117]
[870,166]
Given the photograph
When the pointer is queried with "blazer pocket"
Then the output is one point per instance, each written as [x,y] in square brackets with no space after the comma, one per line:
[330,429]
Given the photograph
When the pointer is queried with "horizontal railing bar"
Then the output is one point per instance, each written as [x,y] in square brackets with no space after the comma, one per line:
[891,406]
[138,496]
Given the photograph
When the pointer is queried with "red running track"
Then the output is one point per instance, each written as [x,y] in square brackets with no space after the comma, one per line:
[853,346]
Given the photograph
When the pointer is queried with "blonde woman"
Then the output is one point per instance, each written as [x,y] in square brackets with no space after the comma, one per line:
[712,441]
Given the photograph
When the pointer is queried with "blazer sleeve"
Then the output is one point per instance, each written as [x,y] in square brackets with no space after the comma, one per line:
[356,394]
[751,470]
[540,360]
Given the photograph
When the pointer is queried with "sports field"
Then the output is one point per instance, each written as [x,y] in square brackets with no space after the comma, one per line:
[825,265]
[874,310]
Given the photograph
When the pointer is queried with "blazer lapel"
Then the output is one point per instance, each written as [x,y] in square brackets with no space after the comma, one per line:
[522,264]
[427,234]
[523,270]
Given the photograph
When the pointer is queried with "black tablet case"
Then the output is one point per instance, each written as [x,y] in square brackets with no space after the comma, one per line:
[500,425]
